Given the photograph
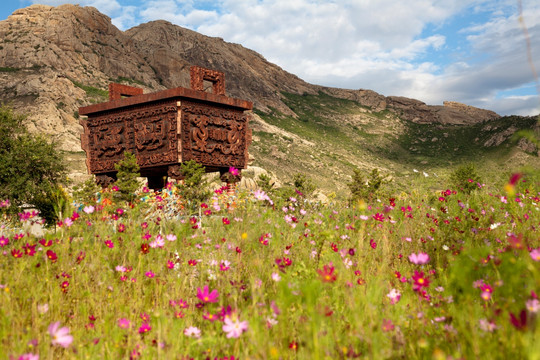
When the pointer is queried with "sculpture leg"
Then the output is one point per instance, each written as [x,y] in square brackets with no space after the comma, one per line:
[157,182]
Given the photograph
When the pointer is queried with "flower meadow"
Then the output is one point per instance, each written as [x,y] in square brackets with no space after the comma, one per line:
[419,275]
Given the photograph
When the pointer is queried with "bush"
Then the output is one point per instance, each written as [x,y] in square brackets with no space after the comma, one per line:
[265,182]
[303,185]
[31,168]
[86,192]
[126,178]
[363,188]
[195,189]
[466,178]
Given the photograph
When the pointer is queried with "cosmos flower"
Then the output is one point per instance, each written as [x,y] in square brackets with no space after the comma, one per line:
[124,323]
[535,254]
[234,328]
[193,331]
[394,296]
[206,296]
[419,259]
[60,335]
[420,280]
[327,273]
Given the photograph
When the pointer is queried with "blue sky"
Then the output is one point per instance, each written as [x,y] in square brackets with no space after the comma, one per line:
[471,51]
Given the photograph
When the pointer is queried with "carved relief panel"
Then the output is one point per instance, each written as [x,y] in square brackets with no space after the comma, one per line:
[148,131]
[214,136]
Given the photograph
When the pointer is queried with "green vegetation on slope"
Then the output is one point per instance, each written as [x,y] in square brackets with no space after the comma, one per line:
[330,137]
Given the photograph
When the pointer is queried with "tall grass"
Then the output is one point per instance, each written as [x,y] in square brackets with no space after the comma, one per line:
[311,281]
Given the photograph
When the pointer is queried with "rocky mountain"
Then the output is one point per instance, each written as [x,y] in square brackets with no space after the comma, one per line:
[55,59]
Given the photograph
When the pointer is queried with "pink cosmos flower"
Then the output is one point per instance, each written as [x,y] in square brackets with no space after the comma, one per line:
[124,323]
[533,305]
[89,209]
[193,331]
[145,327]
[487,325]
[60,335]
[235,328]
[29,356]
[206,296]
[419,259]
[4,241]
[394,296]
[150,274]
[535,254]
[68,222]
[171,237]
[234,171]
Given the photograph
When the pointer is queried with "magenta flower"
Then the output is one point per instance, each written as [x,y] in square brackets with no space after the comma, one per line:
[145,327]
[234,171]
[4,241]
[60,335]
[124,323]
[150,274]
[28,356]
[206,296]
[419,259]
[235,328]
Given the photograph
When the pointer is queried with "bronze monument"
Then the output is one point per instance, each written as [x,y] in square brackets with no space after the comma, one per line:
[165,128]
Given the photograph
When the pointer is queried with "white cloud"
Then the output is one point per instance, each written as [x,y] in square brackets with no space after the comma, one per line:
[372,44]
[107,7]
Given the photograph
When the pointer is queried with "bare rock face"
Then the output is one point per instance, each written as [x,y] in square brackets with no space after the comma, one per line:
[48,54]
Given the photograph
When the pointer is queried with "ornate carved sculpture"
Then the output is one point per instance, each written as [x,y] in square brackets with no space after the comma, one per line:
[165,128]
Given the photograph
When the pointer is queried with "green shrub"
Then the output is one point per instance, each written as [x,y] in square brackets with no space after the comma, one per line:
[31,168]
[303,185]
[363,188]
[195,189]
[265,182]
[86,192]
[466,178]
[128,172]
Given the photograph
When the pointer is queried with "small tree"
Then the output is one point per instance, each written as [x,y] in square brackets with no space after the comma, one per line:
[365,188]
[128,172]
[195,189]
[466,178]
[31,168]
[303,185]
[265,182]
[86,192]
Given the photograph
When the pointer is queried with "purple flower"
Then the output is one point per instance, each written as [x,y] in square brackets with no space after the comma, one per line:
[60,335]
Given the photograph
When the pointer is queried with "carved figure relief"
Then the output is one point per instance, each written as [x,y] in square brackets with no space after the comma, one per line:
[216,137]
[166,128]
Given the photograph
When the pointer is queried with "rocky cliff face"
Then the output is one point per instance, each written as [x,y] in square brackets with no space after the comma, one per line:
[55,59]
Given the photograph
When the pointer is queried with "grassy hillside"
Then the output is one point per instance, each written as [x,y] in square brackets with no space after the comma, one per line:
[330,137]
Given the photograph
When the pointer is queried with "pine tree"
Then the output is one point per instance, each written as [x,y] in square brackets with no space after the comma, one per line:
[128,172]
